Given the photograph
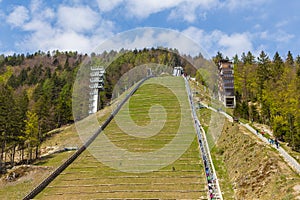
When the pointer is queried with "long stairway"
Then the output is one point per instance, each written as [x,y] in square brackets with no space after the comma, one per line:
[211,177]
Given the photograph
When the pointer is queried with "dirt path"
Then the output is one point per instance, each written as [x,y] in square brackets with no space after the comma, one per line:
[287,157]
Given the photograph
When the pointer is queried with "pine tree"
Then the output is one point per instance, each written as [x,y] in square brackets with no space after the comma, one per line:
[277,67]
[298,65]
[248,59]
[263,71]
[22,103]
[7,121]
[236,59]
[63,110]
[13,81]
[23,76]
[289,59]
[218,58]
[48,73]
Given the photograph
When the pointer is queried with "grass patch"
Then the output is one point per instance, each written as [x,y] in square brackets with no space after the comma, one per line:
[222,174]
[53,160]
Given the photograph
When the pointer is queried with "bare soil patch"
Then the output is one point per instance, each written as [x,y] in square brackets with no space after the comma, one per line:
[256,171]
[22,173]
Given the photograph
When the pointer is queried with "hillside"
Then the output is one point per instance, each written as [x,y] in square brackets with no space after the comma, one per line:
[36,109]
[89,178]
[248,168]
[36,91]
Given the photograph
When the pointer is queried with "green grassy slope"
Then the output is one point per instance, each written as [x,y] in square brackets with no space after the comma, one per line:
[87,178]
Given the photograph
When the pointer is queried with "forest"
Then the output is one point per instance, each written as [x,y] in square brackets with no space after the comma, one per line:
[36,93]
[268,91]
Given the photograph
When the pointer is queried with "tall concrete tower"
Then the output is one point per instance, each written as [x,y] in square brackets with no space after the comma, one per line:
[96,85]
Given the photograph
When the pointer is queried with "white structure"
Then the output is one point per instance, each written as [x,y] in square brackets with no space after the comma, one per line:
[96,85]
[177,71]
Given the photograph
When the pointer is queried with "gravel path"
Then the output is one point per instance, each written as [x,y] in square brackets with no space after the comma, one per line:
[287,157]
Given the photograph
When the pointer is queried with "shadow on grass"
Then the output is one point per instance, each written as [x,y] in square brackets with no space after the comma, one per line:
[52,159]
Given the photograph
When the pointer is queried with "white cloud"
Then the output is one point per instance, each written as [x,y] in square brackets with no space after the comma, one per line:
[228,44]
[18,16]
[235,43]
[145,8]
[238,4]
[35,5]
[280,36]
[199,36]
[180,9]
[189,16]
[51,38]
[71,41]
[77,18]
[38,25]
[77,28]
[80,27]
[105,5]
[49,13]
[281,23]
[151,37]
[45,37]
[257,26]
[190,11]
[186,10]
[264,35]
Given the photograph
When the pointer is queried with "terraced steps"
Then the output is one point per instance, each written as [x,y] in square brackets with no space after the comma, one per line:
[183,178]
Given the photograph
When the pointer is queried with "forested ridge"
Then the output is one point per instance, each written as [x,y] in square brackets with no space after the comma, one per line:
[35,97]
[36,93]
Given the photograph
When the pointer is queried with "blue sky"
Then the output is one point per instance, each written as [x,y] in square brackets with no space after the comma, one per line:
[229,26]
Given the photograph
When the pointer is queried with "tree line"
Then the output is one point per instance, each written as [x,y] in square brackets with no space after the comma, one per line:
[36,92]
[130,59]
[35,97]
[268,91]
